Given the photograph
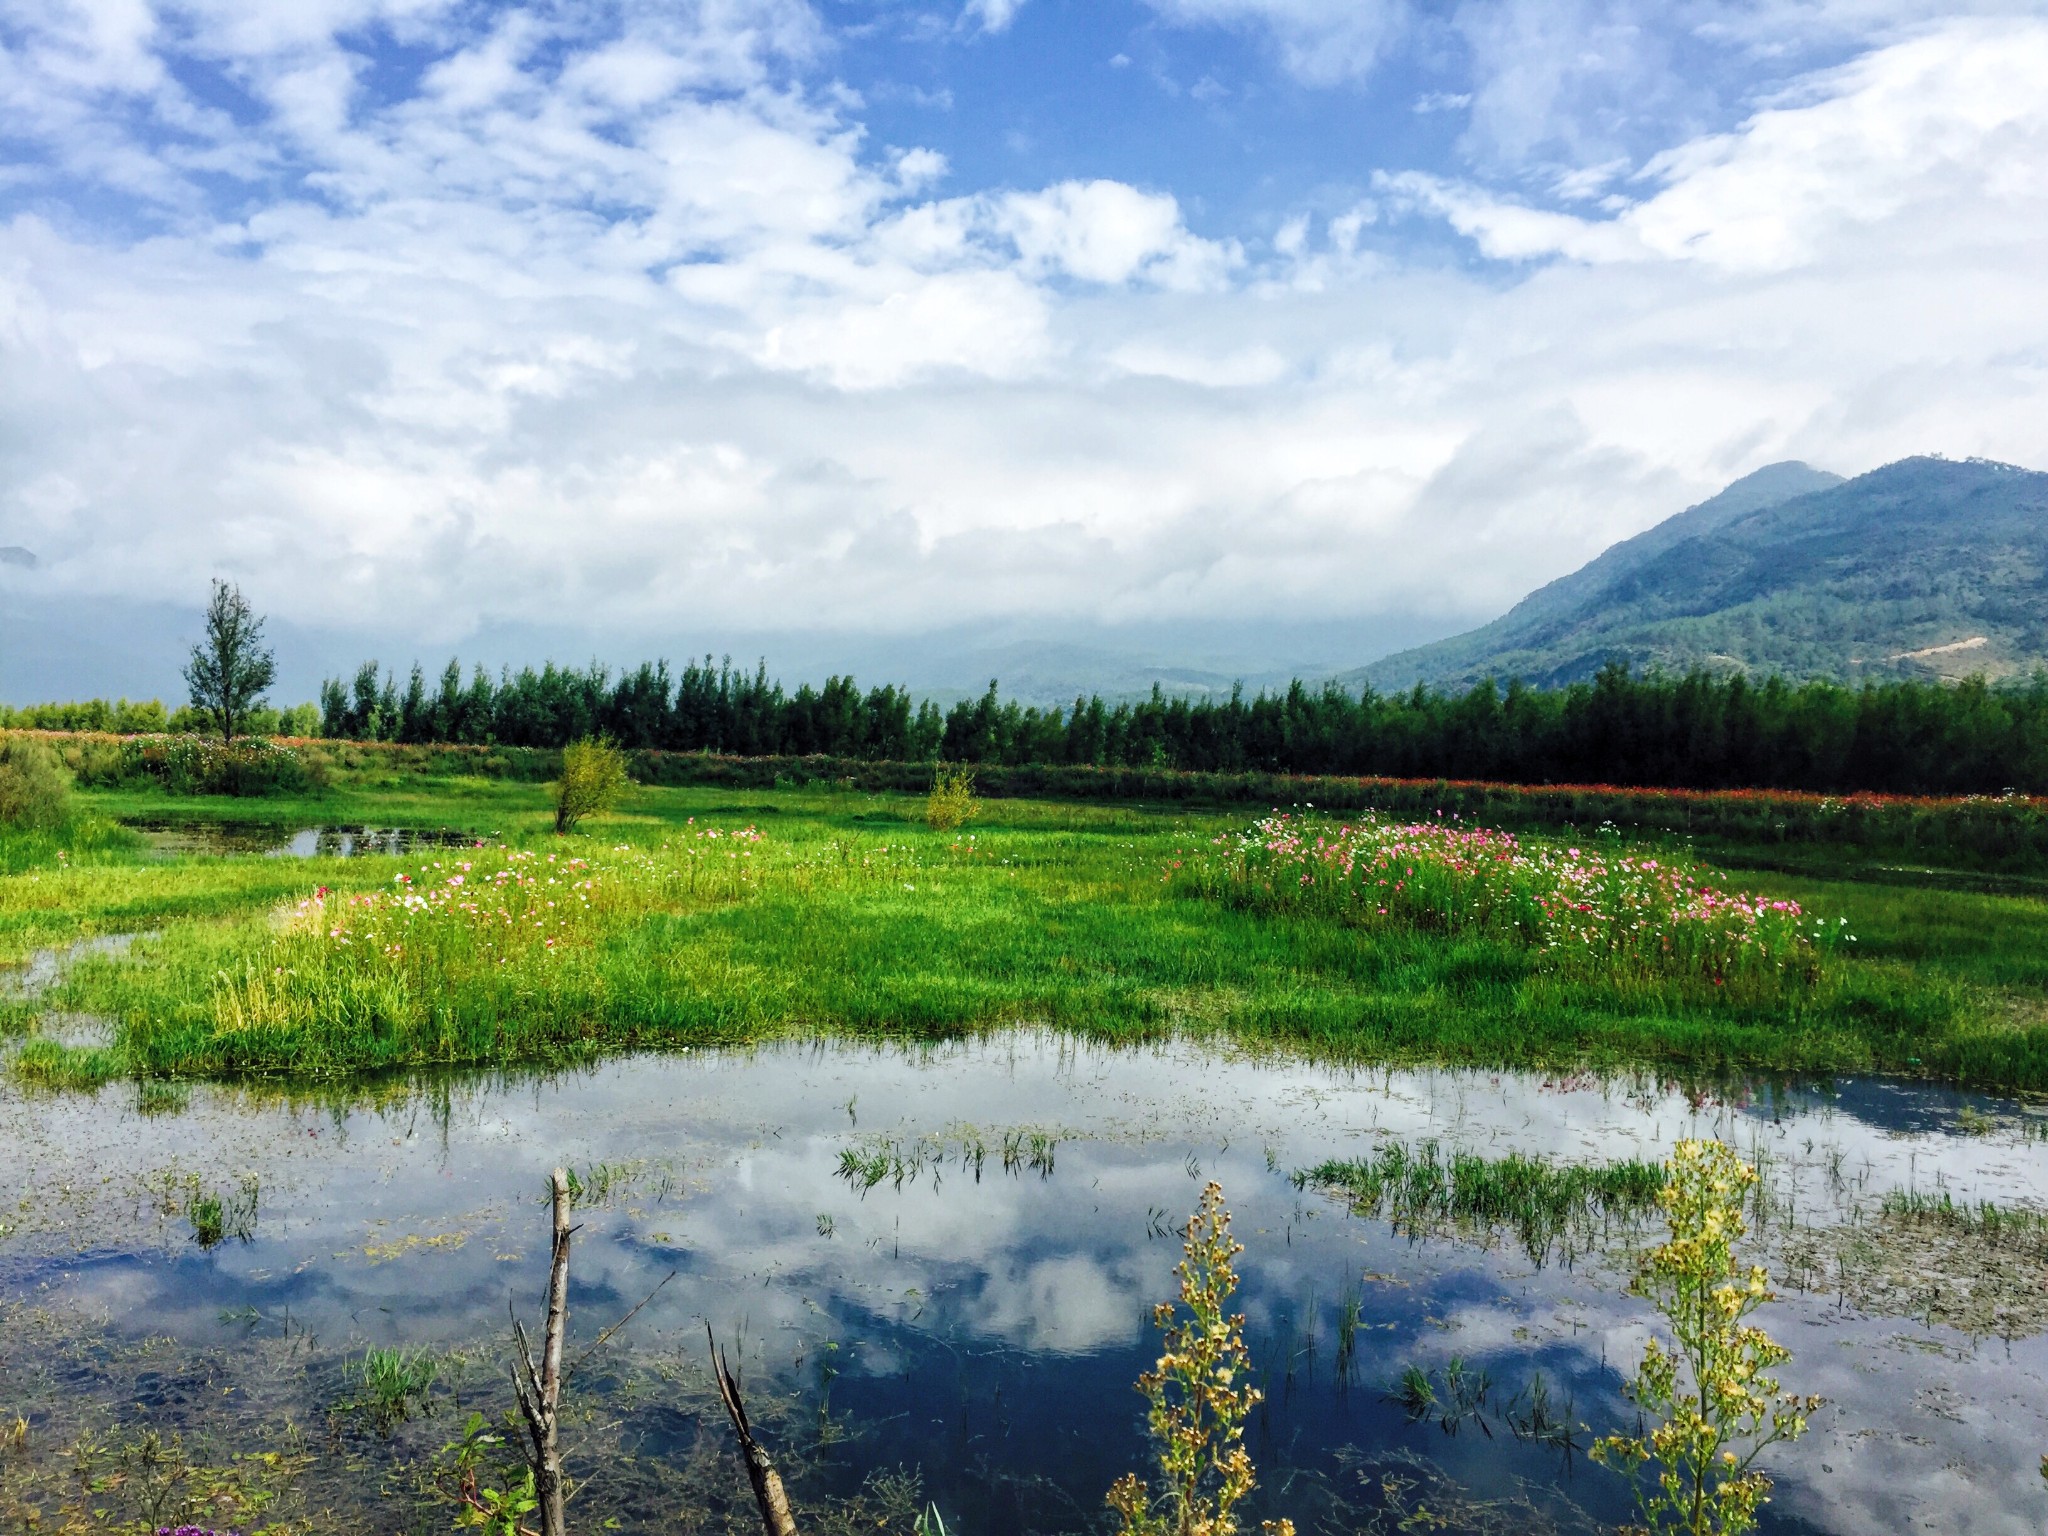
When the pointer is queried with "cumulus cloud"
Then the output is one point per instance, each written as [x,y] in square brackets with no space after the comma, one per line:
[631,324]
[1955,119]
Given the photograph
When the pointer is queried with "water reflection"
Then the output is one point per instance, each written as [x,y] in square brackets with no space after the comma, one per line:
[284,840]
[987,1329]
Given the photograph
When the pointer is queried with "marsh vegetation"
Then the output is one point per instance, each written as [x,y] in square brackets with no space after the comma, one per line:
[783,972]
[689,918]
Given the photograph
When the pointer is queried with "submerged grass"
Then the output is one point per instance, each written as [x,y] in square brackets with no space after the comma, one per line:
[843,912]
[2004,1225]
[1553,1209]
[393,1385]
[215,1215]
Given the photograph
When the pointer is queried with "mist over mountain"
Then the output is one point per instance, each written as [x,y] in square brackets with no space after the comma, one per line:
[59,646]
[1927,567]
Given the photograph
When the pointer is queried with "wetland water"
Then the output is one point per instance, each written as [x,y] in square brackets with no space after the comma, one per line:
[184,835]
[978,1322]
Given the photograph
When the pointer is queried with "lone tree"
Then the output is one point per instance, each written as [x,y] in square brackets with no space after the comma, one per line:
[230,668]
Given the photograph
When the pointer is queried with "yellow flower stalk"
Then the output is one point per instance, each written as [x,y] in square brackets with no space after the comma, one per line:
[1200,1394]
[1715,1404]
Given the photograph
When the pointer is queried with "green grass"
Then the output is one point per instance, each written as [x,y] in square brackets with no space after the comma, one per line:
[854,917]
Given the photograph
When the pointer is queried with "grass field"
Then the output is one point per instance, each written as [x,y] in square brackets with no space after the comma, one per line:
[849,915]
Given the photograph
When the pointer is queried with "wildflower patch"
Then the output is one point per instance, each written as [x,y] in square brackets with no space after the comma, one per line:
[1585,910]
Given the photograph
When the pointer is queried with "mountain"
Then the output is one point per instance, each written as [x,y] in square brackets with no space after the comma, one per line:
[1926,567]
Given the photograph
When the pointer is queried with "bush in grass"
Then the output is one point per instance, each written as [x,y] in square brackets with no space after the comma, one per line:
[951,802]
[35,791]
[593,777]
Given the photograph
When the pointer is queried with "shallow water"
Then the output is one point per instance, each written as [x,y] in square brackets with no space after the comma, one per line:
[283,840]
[985,1330]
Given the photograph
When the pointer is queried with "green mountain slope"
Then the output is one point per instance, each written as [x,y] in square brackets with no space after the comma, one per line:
[1926,567]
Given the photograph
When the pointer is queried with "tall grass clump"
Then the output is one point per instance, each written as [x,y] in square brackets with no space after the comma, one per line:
[35,790]
[1594,914]
[593,778]
[951,802]
[1711,1404]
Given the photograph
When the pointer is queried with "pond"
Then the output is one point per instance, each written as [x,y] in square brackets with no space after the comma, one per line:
[936,1266]
[176,835]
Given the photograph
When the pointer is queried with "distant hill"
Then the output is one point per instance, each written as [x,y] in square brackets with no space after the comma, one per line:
[1924,568]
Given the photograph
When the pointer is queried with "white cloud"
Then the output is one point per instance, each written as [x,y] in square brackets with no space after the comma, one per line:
[1321,42]
[1107,232]
[635,329]
[992,15]
[1953,119]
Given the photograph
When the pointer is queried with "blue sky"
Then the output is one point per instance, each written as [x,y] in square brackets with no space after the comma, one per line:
[417,316]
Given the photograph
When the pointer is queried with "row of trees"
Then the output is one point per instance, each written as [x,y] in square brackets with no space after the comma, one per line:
[1697,730]
[136,717]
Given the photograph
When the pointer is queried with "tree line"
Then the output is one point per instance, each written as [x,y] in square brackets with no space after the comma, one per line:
[1696,731]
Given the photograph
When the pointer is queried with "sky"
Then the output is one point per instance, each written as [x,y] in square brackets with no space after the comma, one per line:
[422,319]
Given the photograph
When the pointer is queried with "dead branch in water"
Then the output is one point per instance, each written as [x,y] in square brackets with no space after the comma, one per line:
[776,1519]
[539,1387]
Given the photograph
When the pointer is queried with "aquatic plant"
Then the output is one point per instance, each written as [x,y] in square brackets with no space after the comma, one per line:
[1200,1394]
[395,1384]
[951,802]
[1463,1393]
[1551,1207]
[1585,911]
[593,778]
[214,1215]
[903,1161]
[153,1481]
[1414,1391]
[1463,1398]
[1715,1408]
[596,1184]
[1350,1309]
[2015,1226]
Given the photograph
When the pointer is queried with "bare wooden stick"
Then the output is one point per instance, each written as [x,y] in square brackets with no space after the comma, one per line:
[606,1337]
[776,1519]
[539,1386]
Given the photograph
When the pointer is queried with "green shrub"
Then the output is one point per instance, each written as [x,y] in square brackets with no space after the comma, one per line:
[35,791]
[593,778]
[99,762]
[951,802]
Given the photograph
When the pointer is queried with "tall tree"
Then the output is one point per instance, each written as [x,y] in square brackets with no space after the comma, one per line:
[231,667]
